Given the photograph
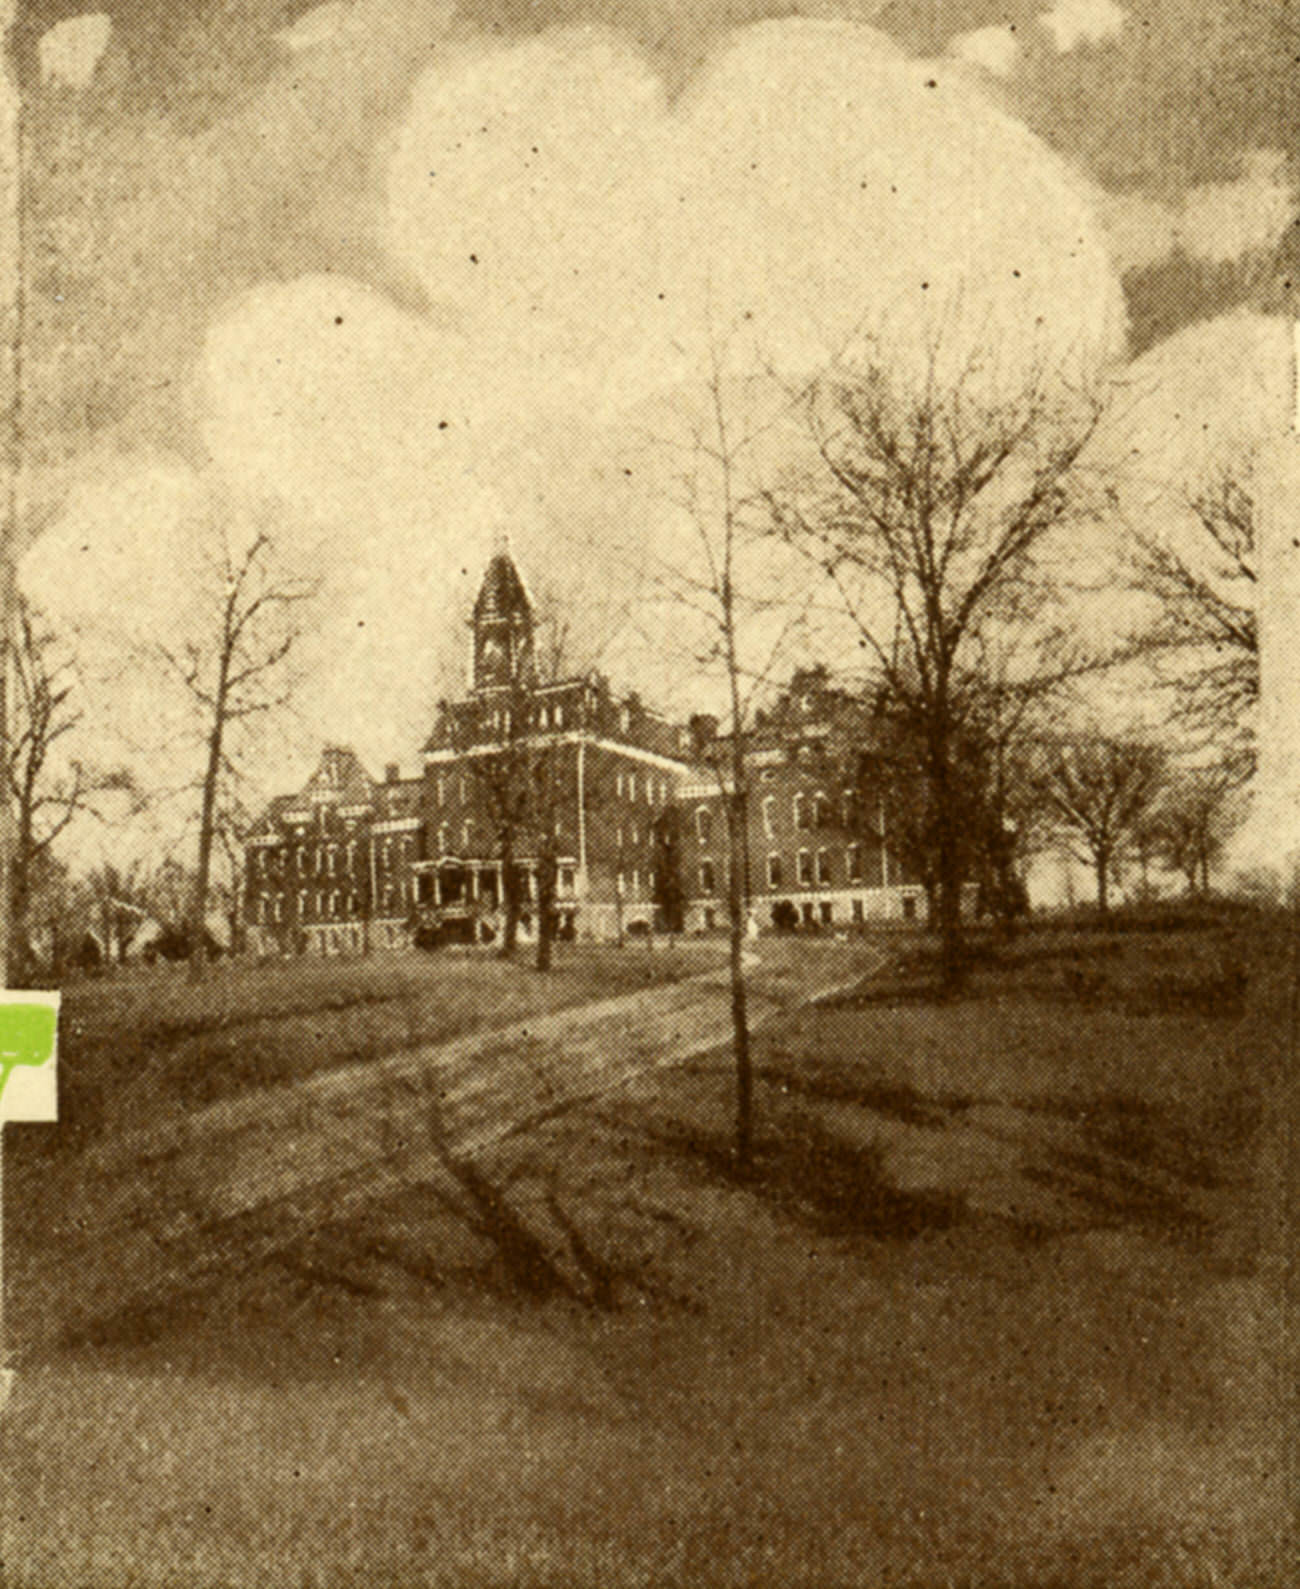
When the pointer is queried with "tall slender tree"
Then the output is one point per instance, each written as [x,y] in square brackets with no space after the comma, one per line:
[235,668]
[48,791]
[725,591]
[930,508]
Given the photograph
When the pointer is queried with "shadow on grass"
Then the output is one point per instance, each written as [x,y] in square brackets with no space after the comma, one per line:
[898,1100]
[834,1187]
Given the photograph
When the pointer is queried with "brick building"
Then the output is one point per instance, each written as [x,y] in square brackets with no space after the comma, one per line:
[614,789]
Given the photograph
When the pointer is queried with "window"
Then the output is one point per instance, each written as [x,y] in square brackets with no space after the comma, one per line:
[774,871]
[444,839]
[636,838]
[279,911]
[331,858]
[802,816]
[706,877]
[857,912]
[825,816]
[618,838]
[631,786]
[909,907]
[352,855]
[828,913]
[566,879]
[618,786]
[823,866]
[704,824]
[442,789]
[853,863]
[302,904]
[636,883]
[620,885]
[805,868]
[559,715]
[848,809]
[466,835]
[769,816]
[543,718]
[386,853]
[254,864]
[809,919]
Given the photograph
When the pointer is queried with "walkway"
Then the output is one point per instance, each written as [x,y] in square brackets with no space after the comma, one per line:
[162,1209]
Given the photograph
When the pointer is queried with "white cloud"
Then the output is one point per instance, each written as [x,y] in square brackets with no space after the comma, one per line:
[71,50]
[1140,231]
[996,49]
[1221,221]
[581,240]
[1075,22]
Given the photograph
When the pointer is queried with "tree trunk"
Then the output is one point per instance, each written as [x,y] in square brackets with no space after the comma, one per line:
[1102,860]
[739,1002]
[207,818]
[509,894]
[546,878]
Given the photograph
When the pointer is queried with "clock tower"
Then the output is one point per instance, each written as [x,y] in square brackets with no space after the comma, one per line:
[502,626]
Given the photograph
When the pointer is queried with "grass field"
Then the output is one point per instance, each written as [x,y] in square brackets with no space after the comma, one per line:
[146,1037]
[1001,1305]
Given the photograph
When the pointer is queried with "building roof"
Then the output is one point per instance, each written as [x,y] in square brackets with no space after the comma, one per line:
[503,594]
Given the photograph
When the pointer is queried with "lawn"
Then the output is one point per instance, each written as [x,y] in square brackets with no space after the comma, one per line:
[999,1306]
[147,1037]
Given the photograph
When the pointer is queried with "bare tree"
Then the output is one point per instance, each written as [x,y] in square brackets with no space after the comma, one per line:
[1193,823]
[724,593]
[930,509]
[1207,626]
[1103,792]
[234,671]
[47,797]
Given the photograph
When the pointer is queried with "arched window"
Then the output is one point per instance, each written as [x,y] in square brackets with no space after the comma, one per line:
[848,809]
[706,876]
[466,835]
[805,868]
[769,816]
[774,871]
[800,811]
[703,823]
[823,866]
[853,862]
[825,815]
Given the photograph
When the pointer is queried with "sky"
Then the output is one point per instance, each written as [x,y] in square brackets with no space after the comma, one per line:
[419,275]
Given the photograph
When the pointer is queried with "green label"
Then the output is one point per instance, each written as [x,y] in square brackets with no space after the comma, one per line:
[26,1036]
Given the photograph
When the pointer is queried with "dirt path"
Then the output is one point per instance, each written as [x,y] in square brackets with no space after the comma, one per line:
[171,1204]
